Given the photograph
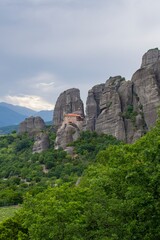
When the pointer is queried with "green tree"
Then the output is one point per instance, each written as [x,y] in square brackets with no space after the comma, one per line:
[11,229]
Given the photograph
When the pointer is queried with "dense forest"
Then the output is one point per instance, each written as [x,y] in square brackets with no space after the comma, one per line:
[107,191]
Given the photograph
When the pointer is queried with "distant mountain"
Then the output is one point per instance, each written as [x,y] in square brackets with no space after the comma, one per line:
[10,117]
[21,110]
[47,115]
[13,114]
[8,129]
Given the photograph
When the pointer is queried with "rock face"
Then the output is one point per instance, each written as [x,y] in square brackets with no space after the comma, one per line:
[68,108]
[146,82]
[69,131]
[34,126]
[124,109]
[41,143]
[68,102]
[150,57]
[118,112]
[127,109]
[31,125]
[66,134]
[93,106]
[110,120]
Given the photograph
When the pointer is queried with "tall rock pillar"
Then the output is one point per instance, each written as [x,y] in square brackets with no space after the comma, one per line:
[68,102]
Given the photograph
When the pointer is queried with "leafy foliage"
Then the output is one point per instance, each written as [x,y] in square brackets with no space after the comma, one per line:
[117,198]
[11,229]
[21,171]
[130,113]
[90,143]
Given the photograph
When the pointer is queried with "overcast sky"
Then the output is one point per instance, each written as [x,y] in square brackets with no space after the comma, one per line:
[48,46]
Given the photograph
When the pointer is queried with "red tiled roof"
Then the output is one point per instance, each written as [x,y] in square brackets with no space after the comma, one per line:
[72,115]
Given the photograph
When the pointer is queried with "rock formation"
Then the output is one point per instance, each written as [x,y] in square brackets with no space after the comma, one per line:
[41,142]
[146,85]
[118,112]
[124,109]
[68,102]
[69,131]
[150,57]
[93,106]
[66,134]
[110,119]
[34,127]
[31,125]
[68,108]
[127,109]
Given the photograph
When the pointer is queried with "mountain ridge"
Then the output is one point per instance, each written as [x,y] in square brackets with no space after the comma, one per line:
[14,114]
[9,117]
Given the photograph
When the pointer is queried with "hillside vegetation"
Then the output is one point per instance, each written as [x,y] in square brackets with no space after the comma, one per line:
[116,198]
[22,171]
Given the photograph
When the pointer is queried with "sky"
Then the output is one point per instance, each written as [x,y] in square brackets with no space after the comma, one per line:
[49,46]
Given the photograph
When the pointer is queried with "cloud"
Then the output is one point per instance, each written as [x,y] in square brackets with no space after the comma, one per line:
[48,46]
[34,102]
[44,82]
[69,30]
[31,90]
[58,31]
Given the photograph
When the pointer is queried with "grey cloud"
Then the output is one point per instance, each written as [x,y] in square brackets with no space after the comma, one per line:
[75,40]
